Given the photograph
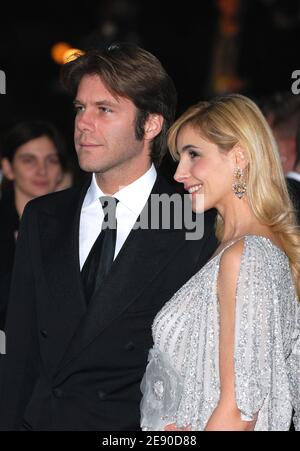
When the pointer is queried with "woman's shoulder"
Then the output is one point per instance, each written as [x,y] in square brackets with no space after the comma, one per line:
[254,269]
[256,245]
[250,251]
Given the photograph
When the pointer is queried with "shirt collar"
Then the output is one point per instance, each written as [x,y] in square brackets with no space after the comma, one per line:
[133,196]
[293,175]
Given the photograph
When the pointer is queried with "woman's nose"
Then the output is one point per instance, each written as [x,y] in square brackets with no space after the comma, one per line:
[42,167]
[181,173]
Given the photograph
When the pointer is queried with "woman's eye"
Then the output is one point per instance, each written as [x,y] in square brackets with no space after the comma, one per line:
[28,160]
[53,161]
[193,154]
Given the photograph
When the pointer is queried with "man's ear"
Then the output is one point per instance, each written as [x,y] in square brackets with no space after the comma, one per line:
[153,126]
[7,169]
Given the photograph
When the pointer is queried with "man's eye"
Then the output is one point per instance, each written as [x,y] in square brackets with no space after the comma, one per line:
[105,109]
[78,108]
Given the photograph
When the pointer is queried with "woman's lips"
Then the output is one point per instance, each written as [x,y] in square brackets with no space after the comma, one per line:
[41,184]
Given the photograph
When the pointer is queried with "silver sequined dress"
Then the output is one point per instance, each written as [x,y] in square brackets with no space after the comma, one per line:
[182,382]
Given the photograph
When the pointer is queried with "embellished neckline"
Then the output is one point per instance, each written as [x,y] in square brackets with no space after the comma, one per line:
[230,243]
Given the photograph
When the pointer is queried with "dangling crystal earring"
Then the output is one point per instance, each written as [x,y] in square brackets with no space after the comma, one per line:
[239,186]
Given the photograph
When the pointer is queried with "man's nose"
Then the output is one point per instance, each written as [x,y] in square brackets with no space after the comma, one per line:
[85,121]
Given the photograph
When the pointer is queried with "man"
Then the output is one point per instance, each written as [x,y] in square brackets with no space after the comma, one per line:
[282,111]
[289,149]
[75,355]
[293,176]
[286,131]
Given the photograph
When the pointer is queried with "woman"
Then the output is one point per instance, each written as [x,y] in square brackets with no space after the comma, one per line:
[226,346]
[32,161]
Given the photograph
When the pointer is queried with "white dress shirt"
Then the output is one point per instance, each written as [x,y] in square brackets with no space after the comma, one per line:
[293,175]
[132,199]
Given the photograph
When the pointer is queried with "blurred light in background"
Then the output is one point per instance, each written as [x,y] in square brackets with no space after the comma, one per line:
[71,54]
[62,52]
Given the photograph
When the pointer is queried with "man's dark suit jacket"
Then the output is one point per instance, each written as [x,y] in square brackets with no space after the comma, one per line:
[9,226]
[294,191]
[69,367]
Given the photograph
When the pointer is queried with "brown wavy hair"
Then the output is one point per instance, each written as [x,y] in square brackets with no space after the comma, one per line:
[132,72]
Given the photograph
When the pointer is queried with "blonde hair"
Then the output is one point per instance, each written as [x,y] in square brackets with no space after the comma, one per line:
[235,119]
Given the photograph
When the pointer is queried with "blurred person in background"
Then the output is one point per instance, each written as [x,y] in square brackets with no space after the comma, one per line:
[293,177]
[282,111]
[33,162]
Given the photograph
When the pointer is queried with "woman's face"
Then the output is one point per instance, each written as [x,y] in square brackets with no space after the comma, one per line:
[35,169]
[204,170]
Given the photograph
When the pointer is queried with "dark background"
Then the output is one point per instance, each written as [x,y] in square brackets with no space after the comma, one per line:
[180,34]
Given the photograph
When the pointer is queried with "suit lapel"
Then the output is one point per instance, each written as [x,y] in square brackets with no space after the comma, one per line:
[144,254]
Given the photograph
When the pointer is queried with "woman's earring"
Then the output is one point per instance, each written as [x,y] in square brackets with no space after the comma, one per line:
[239,186]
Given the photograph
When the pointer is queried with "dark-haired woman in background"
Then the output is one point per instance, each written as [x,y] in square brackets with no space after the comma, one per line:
[32,161]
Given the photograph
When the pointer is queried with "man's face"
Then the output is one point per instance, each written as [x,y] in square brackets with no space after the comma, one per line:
[105,132]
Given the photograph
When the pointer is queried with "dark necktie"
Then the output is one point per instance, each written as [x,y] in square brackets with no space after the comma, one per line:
[100,258]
